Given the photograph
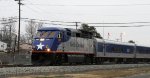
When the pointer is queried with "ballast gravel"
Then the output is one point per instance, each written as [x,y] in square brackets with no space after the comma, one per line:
[15,71]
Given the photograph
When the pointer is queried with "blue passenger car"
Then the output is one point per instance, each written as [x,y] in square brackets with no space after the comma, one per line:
[114,49]
[118,48]
[143,50]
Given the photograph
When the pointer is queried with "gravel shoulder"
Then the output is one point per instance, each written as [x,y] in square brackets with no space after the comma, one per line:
[141,75]
[99,73]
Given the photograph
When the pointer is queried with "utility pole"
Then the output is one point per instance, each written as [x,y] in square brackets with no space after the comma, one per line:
[19,2]
[76,24]
[121,36]
[32,30]
[10,41]
[103,31]
[19,26]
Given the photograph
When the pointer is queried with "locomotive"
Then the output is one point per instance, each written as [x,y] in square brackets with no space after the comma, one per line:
[56,45]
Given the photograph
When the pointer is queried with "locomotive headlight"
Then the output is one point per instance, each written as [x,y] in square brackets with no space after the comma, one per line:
[42,39]
[48,50]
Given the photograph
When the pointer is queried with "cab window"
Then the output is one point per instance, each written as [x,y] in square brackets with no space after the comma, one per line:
[52,33]
[45,34]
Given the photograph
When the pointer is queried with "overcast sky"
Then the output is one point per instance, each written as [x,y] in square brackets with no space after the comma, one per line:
[99,11]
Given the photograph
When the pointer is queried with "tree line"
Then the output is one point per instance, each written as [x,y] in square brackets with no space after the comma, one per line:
[9,32]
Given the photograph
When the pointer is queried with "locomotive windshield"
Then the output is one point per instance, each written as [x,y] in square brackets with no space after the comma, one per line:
[45,34]
[52,33]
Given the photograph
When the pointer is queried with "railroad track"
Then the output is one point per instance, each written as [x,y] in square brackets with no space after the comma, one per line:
[4,66]
[21,65]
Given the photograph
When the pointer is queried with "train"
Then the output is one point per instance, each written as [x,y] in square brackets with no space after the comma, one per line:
[57,46]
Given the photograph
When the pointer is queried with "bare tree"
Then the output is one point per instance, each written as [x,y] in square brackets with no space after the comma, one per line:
[31,29]
[3,29]
[23,38]
[39,25]
[8,30]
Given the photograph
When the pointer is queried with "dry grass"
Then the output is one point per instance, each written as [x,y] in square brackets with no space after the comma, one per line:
[95,74]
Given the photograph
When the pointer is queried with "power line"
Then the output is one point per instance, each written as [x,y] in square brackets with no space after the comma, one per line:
[137,22]
[110,24]
[34,11]
[90,5]
[119,23]
[45,10]
[38,11]
[37,8]
[125,26]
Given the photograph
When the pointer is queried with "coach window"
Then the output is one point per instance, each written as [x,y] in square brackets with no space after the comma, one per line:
[117,49]
[128,50]
[149,51]
[113,49]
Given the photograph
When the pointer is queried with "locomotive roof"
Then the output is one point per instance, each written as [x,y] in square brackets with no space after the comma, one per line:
[73,30]
[63,29]
[51,28]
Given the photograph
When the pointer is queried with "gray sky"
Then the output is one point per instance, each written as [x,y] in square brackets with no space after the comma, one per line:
[102,11]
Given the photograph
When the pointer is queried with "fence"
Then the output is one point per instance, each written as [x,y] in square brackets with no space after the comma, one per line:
[15,58]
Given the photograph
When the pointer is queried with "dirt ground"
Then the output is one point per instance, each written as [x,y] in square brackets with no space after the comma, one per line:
[94,74]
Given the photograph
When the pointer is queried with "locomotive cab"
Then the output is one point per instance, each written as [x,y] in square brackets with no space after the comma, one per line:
[45,44]
[47,41]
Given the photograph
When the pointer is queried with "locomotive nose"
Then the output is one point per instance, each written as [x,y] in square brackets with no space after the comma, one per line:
[40,46]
